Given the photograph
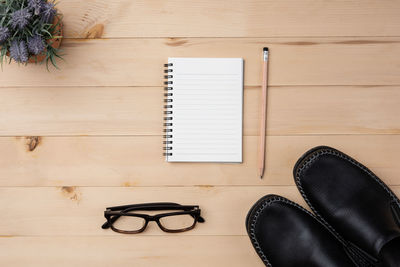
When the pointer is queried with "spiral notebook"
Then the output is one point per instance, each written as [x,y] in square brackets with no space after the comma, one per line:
[203,110]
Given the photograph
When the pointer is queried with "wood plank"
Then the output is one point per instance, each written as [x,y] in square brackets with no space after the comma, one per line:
[293,61]
[137,161]
[81,110]
[140,251]
[78,211]
[230,18]
[138,110]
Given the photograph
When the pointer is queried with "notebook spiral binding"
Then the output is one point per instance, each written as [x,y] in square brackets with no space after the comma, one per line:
[168,89]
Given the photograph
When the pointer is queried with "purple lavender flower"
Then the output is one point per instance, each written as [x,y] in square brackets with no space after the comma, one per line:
[48,12]
[18,51]
[36,5]
[36,44]
[4,34]
[20,18]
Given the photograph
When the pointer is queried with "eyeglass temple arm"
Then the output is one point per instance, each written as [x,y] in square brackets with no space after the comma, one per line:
[200,219]
[106,225]
[151,206]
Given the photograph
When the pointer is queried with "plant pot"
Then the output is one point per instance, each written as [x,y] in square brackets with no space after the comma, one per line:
[55,42]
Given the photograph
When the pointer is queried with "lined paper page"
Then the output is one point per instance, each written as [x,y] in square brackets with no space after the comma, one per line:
[207,109]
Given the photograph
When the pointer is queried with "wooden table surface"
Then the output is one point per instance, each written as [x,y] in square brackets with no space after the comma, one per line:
[90,135]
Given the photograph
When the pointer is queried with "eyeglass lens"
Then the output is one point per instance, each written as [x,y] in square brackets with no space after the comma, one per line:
[177,222]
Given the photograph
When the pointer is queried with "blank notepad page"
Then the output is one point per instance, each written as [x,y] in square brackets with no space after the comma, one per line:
[204,107]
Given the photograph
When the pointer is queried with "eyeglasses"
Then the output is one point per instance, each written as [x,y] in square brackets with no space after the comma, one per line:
[127,220]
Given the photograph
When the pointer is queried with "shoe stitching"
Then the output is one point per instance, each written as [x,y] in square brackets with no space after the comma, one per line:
[336,153]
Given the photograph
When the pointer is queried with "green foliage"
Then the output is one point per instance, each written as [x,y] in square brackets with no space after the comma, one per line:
[27,29]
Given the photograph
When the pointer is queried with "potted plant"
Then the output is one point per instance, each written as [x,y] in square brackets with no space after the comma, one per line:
[30,31]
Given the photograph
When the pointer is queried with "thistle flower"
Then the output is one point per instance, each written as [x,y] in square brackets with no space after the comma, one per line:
[48,12]
[36,5]
[20,18]
[18,51]
[36,44]
[27,31]
[4,34]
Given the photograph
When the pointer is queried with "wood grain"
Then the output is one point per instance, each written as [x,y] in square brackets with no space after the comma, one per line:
[165,251]
[137,161]
[293,61]
[89,136]
[229,18]
[78,211]
[138,110]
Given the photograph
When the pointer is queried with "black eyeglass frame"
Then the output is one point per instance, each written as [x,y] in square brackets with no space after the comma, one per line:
[113,213]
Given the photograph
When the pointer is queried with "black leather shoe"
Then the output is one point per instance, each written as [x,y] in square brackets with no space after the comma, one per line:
[354,203]
[286,235]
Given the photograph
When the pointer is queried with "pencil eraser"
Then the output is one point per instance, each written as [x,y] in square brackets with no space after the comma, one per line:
[265,49]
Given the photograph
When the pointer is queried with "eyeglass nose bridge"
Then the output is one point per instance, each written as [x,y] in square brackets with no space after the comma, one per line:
[151,218]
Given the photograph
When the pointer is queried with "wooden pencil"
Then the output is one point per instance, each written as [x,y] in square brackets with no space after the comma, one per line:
[261,156]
